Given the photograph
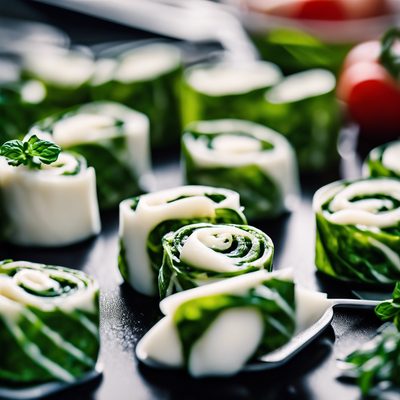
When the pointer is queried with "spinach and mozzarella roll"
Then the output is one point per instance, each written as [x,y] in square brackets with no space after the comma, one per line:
[144,221]
[217,328]
[199,254]
[64,73]
[358,230]
[383,161]
[47,198]
[113,138]
[49,322]
[303,107]
[146,78]
[227,90]
[257,162]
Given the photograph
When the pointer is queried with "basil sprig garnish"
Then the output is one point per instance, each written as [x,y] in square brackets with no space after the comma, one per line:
[389,59]
[389,310]
[32,152]
[376,363]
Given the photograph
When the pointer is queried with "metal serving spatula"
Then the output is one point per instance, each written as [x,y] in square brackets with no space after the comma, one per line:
[282,355]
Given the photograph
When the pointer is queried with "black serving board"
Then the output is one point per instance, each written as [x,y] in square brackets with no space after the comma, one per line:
[126,316]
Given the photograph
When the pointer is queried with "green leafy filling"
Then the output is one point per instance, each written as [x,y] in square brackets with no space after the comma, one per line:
[349,253]
[185,275]
[122,261]
[154,240]
[377,361]
[277,308]
[47,345]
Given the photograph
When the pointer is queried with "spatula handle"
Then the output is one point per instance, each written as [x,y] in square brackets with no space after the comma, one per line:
[355,303]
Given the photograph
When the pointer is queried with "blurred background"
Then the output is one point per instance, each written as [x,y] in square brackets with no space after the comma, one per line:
[56,54]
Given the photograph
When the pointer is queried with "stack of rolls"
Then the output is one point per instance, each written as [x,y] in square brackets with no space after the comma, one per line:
[146,219]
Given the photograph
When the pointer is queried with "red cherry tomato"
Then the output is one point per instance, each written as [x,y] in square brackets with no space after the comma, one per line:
[373,98]
[323,10]
[328,10]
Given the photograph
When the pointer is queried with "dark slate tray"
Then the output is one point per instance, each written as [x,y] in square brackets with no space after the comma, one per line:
[126,315]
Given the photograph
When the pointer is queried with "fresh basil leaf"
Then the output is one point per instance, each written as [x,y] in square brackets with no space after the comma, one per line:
[32,152]
[389,310]
[377,361]
[396,293]
[14,151]
[46,151]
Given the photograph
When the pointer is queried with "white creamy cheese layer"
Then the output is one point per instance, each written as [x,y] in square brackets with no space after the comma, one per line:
[234,149]
[224,79]
[81,128]
[301,86]
[153,209]
[40,278]
[363,212]
[147,62]
[199,249]
[45,208]
[391,158]
[232,339]
[228,343]
[62,68]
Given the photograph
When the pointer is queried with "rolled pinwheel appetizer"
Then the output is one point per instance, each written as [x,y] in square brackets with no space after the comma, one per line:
[199,254]
[49,322]
[257,162]
[256,312]
[146,219]
[113,138]
[216,329]
[147,79]
[64,73]
[303,108]
[358,235]
[383,161]
[47,198]
[227,90]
